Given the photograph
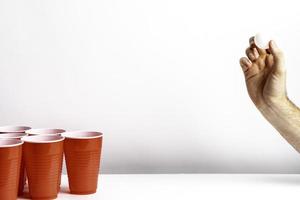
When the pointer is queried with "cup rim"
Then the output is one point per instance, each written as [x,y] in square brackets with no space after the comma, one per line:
[43,139]
[12,135]
[45,131]
[10,142]
[82,134]
[13,128]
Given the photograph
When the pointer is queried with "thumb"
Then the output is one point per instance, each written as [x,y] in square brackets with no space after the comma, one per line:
[278,57]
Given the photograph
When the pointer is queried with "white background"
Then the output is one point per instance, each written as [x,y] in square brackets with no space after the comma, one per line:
[189,186]
[159,78]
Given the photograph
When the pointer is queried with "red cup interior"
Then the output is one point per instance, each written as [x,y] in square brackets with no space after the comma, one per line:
[10,143]
[82,134]
[13,135]
[41,131]
[43,138]
[14,128]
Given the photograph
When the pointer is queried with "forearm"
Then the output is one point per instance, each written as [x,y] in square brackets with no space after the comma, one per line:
[285,117]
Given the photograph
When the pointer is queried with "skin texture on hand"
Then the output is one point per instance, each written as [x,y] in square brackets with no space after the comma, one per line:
[265,74]
[265,77]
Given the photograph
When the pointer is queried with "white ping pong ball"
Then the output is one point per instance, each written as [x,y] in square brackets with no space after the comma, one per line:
[262,40]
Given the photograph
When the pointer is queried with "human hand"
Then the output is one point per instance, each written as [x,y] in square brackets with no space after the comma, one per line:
[265,74]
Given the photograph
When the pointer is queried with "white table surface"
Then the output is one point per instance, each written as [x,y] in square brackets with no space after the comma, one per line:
[191,186]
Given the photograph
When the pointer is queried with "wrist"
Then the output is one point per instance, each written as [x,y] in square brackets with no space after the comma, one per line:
[278,103]
[274,105]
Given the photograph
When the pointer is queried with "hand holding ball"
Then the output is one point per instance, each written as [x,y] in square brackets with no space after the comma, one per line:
[262,40]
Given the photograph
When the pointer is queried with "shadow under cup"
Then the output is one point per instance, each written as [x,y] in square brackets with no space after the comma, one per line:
[82,153]
[43,155]
[10,163]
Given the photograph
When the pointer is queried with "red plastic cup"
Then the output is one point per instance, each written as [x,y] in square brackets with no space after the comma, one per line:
[10,164]
[14,129]
[48,131]
[22,179]
[43,155]
[17,129]
[83,152]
